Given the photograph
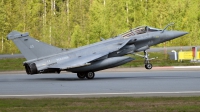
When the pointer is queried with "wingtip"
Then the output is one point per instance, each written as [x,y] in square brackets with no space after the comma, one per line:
[13,34]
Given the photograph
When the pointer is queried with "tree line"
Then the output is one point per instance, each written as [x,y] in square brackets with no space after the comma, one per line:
[74,23]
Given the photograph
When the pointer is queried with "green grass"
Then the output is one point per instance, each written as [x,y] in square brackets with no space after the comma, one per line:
[162,60]
[113,104]
[11,64]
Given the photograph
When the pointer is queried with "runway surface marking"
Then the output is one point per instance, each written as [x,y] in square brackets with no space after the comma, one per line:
[186,66]
[179,67]
[96,94]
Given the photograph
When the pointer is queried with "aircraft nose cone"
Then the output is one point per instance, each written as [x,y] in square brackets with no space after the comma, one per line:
[179,33]
[175,34]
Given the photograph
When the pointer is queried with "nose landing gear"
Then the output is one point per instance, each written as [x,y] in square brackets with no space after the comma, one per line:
[147,64]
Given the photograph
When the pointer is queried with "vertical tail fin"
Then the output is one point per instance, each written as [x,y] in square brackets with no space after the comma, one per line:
[30,47]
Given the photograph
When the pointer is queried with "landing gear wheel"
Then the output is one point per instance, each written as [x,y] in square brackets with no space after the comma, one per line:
[81,75]
[90,75]
[148,66]
[58,71]
[146,61]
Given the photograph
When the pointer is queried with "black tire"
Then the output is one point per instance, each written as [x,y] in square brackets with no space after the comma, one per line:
[148,66]
[58,71]
[90,75]
[81,75]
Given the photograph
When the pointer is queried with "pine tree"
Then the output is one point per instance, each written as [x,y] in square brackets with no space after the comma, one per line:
[74,23]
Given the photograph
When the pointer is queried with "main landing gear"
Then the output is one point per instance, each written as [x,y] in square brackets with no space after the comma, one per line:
[88,75]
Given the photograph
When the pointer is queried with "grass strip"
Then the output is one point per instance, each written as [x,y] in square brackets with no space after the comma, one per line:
[116,104]
[162,60]
[11,64]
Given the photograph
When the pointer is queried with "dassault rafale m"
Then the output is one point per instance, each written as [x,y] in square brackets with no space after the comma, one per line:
[85,60]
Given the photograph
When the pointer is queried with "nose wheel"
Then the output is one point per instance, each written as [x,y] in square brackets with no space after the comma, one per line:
[148,66]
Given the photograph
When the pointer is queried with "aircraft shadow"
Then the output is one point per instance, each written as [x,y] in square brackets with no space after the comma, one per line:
[99,78]
[118,78]
[77,79]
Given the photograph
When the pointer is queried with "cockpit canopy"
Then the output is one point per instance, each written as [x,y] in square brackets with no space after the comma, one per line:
[140,30]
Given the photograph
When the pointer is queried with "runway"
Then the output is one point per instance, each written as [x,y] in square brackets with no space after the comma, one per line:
[105,84]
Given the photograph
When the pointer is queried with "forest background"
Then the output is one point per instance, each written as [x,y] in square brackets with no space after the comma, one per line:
[74,23]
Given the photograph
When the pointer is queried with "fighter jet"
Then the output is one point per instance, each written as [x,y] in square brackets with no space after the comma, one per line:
[85,60]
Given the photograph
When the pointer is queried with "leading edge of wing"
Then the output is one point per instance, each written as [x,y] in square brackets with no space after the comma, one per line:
[84,60]
[77,62]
